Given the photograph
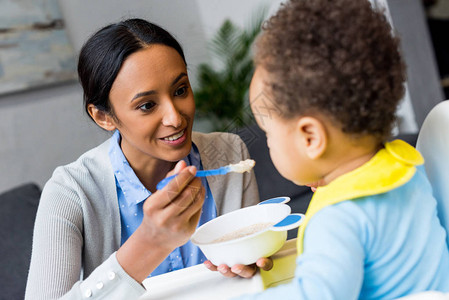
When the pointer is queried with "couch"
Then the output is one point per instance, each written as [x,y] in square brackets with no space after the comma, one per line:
[18,208]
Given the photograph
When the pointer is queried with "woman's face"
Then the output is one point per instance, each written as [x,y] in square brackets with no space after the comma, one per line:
[153,105]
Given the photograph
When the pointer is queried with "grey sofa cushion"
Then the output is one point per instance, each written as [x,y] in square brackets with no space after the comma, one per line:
[17,214]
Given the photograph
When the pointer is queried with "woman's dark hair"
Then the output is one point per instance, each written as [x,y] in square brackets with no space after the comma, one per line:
[103,54]
[337,58]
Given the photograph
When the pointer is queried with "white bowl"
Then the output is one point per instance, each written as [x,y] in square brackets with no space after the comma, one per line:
[248,248]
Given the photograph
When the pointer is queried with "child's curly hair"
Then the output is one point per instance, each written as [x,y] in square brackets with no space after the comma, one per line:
[337,58]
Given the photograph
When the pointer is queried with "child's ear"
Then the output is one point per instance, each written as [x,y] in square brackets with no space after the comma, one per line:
[103,119]
[313,137]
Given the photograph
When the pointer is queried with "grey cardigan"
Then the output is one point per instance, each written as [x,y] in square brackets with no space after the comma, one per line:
[77,229]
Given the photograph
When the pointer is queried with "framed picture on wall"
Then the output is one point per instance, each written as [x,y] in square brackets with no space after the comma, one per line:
[34,47]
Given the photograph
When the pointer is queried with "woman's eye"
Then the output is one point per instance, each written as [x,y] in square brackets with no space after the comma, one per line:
[147,106]
[181,91]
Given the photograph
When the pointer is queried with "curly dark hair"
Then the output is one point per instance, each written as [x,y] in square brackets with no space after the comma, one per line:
[337,58]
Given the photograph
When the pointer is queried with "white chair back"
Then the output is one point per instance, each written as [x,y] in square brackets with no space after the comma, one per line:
[433,143]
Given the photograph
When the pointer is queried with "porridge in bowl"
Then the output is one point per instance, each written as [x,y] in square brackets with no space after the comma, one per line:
[248,230]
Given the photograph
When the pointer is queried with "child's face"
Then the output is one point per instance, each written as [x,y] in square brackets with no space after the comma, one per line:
[282,135]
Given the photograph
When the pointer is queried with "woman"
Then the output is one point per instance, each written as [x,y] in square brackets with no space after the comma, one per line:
[102,227]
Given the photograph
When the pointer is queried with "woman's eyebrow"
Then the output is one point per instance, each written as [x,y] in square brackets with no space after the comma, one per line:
[178,78]
[147,93]
[152,92]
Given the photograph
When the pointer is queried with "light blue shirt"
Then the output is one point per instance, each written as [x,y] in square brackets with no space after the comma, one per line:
[378,247]
[132,194]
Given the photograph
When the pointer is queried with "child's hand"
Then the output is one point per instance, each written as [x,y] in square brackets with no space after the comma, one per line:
[264,263]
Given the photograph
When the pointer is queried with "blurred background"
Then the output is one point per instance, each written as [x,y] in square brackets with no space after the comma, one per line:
[44,127]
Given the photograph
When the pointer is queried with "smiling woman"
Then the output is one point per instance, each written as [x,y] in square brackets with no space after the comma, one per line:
[101,221]
[152,106]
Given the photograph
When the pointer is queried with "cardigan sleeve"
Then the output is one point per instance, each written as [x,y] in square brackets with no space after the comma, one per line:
[58,251]
[107,281]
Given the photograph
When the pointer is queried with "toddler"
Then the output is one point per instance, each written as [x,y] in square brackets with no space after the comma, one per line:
[328,80]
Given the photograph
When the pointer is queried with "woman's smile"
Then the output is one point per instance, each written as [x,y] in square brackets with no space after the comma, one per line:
[176,139]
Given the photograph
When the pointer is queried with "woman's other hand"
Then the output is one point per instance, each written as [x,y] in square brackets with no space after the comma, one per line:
[264,263]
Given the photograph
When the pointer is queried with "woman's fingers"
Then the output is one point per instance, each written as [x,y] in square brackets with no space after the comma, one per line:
[244,271]
[189,212]
[188,196]
[173,212]
[175,186]
[178,213]
[178,167]
[194,211]
[238,270]
[210,265]
[265,263]
[226,271]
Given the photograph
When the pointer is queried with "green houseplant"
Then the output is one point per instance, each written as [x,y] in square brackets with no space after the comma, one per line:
[222,92]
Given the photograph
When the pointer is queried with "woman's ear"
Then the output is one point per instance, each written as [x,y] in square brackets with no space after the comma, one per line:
[313,136]
[103,119]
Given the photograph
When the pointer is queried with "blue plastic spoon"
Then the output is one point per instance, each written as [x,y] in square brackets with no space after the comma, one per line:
[241,167]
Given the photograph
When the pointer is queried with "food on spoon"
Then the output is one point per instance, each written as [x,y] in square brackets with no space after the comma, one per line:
[243,166]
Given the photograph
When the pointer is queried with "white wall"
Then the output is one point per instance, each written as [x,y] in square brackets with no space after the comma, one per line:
[42,129]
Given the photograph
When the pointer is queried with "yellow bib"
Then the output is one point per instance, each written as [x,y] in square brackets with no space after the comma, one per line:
[390,168]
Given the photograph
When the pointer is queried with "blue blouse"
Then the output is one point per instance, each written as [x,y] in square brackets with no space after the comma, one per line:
[132,194]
